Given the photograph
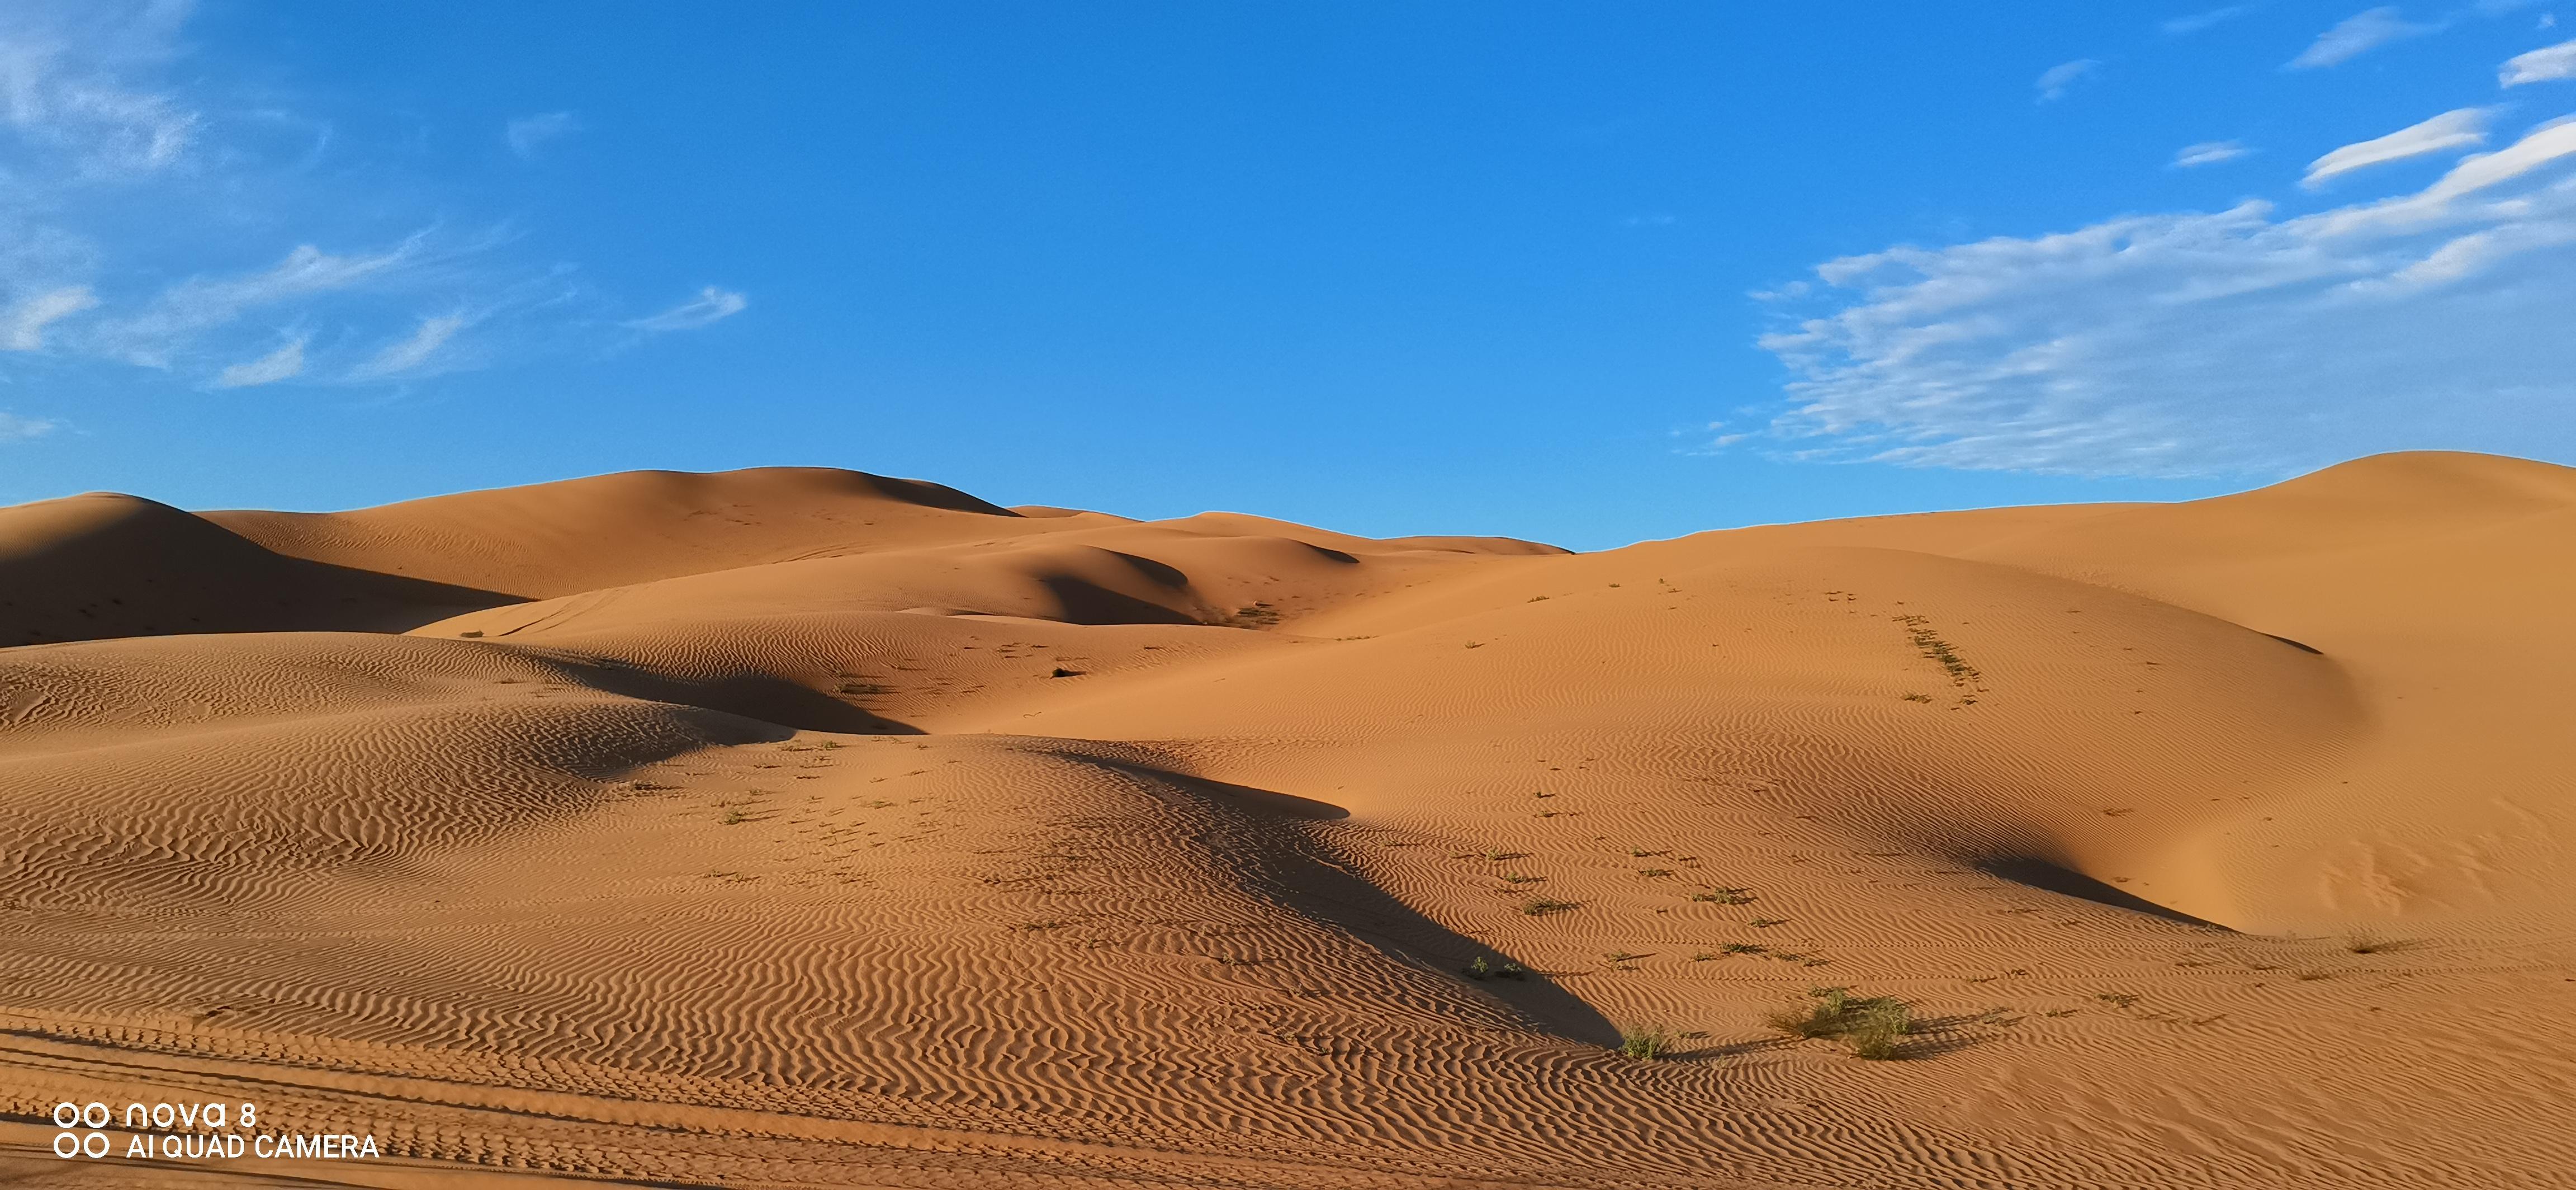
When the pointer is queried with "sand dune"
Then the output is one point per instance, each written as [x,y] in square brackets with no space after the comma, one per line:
[613,530]
[803,827]
[104,565]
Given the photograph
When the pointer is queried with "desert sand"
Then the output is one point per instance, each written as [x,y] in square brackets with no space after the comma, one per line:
[800,827]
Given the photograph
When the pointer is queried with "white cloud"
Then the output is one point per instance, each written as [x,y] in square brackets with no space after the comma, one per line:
[712,305]
[2209,153]
[2473,254]
[2547,64]
[22,326]
[2185,26]
[277,365]
[2477,172]
[2359,34]
[60,88]
[165,210]
[2053,82]
[182,312]
[408,354]
[527,134]
[19,429]
[2450,130]
[2235,341]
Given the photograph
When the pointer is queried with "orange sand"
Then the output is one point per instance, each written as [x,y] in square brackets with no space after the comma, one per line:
[802,827]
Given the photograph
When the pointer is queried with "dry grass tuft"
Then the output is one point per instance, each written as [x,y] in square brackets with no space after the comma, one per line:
[1875,1027]
[1645,1043]
[2366,942]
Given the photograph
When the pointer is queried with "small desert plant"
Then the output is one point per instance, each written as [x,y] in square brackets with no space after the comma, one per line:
[1819,1016]
[1482,969]
[1542,907]
[1879,1031]
[1918,698]
[1645,1043]
[1723,896]
[2365,942]
[736,818]
[1703,956]
[1764,923]
[1622,956]
[2117,999]
[1743,948]
[1522,878]
[1258,615]
[1654,872]
[1874,1026]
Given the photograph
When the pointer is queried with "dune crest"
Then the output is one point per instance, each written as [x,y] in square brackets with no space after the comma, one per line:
[105,565]
[796,826]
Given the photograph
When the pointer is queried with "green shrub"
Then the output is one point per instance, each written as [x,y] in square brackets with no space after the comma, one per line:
[1645,1043]
[1875,1027]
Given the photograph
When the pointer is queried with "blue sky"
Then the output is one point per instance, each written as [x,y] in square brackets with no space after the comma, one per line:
[1584,273]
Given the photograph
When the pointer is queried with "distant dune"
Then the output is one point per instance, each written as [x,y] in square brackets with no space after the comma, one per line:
[805,827]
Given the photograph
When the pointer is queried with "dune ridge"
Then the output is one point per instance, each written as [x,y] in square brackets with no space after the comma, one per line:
[805,827]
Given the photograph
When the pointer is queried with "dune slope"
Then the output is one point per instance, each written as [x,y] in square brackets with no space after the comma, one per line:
[104,565]
[796,827]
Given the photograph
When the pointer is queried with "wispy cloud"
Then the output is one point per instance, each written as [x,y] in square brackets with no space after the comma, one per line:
[284,363]
[527,134]
[711,305]
[2359,34]
[158,213]
[2475,174]
[2185,26]
[19,429]
[173,320]
[60,88]
[410,354]
[2450,130]
[2053,83]
[2547,64]
[22,326]
[2234,341]
[2209,153]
